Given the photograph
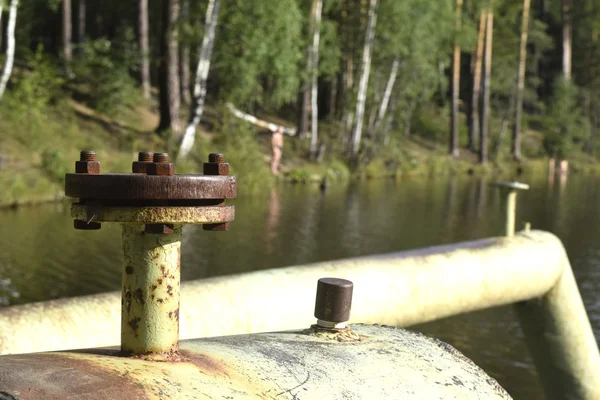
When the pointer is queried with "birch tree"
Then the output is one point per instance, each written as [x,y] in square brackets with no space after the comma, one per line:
[210,24]
[67,32]
[387,94]
[454,151]
[10,49]
[567,32]
[516,142]
[144,47]
[474,129]
[364,77]
[483,142]
[314,107]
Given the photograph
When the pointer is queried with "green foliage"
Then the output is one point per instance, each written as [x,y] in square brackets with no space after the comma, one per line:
[104,71]
[237,140]
[38,87]
[55,165]
[568,125]
[257,62]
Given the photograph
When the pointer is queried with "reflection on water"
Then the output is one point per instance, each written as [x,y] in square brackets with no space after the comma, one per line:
[43,257]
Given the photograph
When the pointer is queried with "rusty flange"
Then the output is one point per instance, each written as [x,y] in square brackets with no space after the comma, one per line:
[154,215]
[149,187]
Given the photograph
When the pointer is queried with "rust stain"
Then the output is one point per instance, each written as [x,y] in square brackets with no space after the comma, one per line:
[163,270]
[53,376]
[177,314]
[170,290]
[205,363]
[154,287]
[171,314]
[138,295]
[160,300]
[129,270]
[159,280]
[134,324]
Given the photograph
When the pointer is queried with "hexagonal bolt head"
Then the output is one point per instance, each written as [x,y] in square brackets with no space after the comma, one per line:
[215,169]
[333,302]
[140,166]
[216,165]
[160,165]
[84,226]
[87,163]
[216,227]
[159,229]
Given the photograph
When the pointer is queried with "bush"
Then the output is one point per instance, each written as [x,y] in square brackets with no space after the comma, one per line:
[104,70]
[55,165]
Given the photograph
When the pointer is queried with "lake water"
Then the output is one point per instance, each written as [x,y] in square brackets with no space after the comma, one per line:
[42,257]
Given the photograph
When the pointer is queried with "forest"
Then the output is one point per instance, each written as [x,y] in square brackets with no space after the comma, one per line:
[365,85]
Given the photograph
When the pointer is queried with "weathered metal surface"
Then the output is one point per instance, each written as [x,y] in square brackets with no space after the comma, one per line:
[150,290]
[333,300]
[386,363]
[145,187]
[156,215]
[160,165]
[216,165]
[399,289]
[144,158]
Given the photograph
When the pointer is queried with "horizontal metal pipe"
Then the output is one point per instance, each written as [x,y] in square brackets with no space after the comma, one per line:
[372,362]
[418,286]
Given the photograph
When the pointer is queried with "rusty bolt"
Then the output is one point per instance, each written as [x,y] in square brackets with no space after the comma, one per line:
[159,229]
[87,163]
[85,226]
[144,158]
[160,165]
[333,302]
[216,165]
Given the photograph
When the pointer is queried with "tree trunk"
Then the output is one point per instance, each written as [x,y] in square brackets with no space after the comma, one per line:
[144,47]
[259,122]
[210,24]
[388,121]
[364,77]
[10,48]
[314,107]
[483,144]
[169,70]
[67,32]
[1,27]
[454,136]
[387,94]
[475,121]
[375,104]
[81,22]
[185,58]
[566,36]
[516,144]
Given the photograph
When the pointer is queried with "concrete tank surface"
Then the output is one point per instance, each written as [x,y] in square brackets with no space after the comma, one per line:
[367,362]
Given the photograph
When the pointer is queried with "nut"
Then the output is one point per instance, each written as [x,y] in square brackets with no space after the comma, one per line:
[144,158]
[87,167]
[216,227]
[213,168]
[160,169]
[159,229]
[85,226]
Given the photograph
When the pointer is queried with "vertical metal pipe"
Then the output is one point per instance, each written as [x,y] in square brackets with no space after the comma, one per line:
[561,341]
[511,209]
[150,292]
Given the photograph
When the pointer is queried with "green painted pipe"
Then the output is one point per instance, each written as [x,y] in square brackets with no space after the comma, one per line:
[150,290]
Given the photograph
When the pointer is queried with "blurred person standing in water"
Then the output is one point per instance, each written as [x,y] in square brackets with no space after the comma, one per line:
[277,148]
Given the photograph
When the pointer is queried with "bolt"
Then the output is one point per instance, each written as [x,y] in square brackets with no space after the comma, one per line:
[85,226]
[216,157]
[87,156]
[216,165]
[333,302]
[144,158]
[87,163]
[160,165]
[509,189]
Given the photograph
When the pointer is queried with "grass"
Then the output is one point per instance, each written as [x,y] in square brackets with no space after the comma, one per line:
[41,142]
